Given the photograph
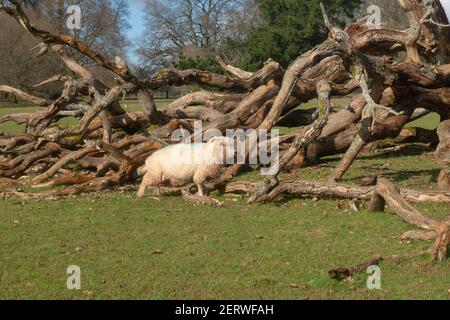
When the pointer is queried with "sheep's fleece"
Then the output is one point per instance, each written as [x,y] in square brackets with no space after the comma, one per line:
[183,163]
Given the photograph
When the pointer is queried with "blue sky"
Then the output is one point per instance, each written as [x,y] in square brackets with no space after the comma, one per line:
[137,24]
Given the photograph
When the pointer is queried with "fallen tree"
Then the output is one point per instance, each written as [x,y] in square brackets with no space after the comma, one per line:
[392,77]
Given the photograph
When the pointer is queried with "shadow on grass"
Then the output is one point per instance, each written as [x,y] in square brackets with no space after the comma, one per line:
[407,150]
[406,175]
[401,176]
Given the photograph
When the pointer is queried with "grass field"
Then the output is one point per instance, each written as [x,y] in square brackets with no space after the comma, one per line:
[144,249]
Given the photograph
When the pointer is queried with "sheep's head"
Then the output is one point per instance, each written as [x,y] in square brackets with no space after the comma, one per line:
[223,149]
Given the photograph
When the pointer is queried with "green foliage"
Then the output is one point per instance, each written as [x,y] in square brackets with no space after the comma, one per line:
[291,27]
[206,63]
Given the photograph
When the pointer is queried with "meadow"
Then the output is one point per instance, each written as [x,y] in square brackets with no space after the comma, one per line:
[147,249]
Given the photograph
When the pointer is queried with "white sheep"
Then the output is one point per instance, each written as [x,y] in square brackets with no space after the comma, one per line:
[183,163]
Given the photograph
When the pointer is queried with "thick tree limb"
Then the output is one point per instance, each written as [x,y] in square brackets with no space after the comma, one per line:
[310,188]
[394,200]
[25,96]
[72,156]
[21,17]
[163,78]
[233,70]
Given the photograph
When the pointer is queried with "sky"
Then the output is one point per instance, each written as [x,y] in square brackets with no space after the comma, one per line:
[137,25]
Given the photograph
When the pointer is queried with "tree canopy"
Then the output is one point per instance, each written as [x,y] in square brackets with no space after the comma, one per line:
[191,32]
[290,27]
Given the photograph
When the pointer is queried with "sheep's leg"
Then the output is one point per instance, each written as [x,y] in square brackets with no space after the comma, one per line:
[201,193]
[200,178]
[142,188]
[150,179]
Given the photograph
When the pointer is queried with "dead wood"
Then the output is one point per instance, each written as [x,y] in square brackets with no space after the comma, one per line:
[347,272]
[323,189]
[200,200]
[25,96]
[75,155]
[344,273]
[163,78]
[442,242]
[395,201]
[442,155]
[233,70]
[419,235]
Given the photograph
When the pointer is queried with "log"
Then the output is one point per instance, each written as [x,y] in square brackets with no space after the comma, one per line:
[291,78]
[25,96]
[354,149]
[442,242]
[27,161]
[92,113]
[246,108]
[442,155]
[221,102]
[344,273]
[72,156]
[347,272]
[199,113]
[233,70]
[323,189]
[200,200]
[419,235]
[43,118]
[7,184]
[164,78]
[394,200]
[377,202]
[66,180]
[9,143]
[368,121]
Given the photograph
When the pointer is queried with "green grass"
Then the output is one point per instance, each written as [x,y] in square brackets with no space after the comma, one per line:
[143,249]
[429,122]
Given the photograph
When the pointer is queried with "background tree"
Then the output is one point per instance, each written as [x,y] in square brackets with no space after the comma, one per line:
[18,65]
[103,27]
[190,32]
[290,27]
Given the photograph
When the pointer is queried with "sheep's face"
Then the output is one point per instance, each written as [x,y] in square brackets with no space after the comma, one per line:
[224,150]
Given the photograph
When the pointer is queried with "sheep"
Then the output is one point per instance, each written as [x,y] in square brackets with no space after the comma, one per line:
[184,163]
